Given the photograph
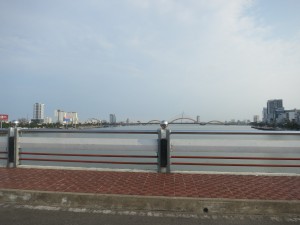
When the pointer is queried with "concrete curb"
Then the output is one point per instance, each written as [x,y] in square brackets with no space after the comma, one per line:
[181,205]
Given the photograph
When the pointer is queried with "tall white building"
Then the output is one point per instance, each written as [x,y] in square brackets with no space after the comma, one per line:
[38,112]
[112,118]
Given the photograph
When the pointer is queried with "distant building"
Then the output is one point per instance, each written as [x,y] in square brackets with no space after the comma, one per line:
[48,120]
[112,118]
[63,117]
[198,119]
[59,115]
[265,115]
[274,108]
[275,113]
[292,116]
[38,112]
[256,118]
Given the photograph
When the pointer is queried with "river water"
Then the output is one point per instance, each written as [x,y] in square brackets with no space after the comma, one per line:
[278,146]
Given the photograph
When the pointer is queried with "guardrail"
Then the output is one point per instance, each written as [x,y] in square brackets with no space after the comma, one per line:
[3,147]
[247,144]
[164,151]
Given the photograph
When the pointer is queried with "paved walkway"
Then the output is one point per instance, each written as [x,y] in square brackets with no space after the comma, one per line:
[153,184]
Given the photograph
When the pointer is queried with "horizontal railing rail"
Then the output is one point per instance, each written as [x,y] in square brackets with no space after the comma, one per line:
[78,131]
[235,132]
[232,157]
[88,155]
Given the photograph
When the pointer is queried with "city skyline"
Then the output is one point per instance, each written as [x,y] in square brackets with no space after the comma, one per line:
[146,60]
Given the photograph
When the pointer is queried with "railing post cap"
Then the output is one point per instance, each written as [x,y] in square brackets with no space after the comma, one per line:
[163,124]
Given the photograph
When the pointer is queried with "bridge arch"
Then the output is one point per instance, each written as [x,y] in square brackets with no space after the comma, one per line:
[183,118]
[152,121]
[217,122]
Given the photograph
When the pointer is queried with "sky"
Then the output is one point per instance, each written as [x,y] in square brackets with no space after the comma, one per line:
[149,59]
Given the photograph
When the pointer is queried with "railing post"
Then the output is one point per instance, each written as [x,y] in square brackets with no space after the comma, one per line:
[13,149]
[17,147]
[163,153]
[10,147]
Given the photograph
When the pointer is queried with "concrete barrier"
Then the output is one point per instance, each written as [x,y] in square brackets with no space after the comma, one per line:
[179,205]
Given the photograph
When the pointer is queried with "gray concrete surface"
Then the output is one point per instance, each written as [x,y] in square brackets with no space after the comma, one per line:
[186,207]
[44,215]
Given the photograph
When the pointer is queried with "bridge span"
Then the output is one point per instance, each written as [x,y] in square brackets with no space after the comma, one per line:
[193,121]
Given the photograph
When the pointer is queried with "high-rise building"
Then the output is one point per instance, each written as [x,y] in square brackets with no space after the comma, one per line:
[59,114]
[264,115]
[38,112]
[274,104]
[274,107]
[112,118]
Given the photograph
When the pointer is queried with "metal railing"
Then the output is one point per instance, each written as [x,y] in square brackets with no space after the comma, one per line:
[3,147]
[78,155]
[164,150]
[233,158]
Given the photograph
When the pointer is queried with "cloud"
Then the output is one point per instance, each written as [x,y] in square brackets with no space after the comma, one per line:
[213,58]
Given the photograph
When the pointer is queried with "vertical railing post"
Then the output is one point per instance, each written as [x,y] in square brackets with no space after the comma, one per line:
[17,147]
[13,147]
[163,153]
[168,151]
[10,147]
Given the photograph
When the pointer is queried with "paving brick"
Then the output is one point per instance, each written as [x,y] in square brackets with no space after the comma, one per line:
[154,184]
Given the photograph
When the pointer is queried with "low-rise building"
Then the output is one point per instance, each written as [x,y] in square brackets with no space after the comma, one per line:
[63,117]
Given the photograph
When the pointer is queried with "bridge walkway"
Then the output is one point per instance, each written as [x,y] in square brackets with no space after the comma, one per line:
[215,186]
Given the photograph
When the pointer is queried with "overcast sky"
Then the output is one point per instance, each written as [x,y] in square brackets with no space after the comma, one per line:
[149,59]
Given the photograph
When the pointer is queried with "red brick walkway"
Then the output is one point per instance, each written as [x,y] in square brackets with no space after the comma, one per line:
[153,184]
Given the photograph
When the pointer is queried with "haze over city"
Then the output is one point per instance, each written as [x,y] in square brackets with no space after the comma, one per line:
[150,59]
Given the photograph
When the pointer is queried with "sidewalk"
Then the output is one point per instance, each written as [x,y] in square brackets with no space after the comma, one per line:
[208,186]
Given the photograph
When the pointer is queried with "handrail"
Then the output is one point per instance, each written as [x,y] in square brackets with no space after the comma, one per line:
[236,132]
[89,155]
[102,131]
[233,157]
[89,161]
[235,164]
[115,131]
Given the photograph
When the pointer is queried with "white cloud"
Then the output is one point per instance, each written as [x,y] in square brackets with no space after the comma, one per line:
[210,55]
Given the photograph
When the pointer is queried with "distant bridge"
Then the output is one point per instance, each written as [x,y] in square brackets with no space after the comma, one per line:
[174,121]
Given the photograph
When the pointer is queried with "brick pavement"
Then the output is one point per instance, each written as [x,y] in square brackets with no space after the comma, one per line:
[153,184]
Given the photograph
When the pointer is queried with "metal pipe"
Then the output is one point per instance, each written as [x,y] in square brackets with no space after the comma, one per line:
[89,161]
[233,164]
[232,157]
[104,131]
[236,132]
[89,155]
